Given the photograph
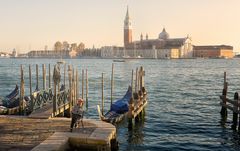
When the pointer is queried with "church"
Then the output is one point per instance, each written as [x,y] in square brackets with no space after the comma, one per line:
[163,47]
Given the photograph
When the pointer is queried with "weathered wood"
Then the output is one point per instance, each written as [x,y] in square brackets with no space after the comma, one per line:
[235,115]
[49,76]
[86,88]
[132,83]
[64,78]
[77,84]
[112,84]
[136,81]
[82,84]
[102,95]
[44,76]
[55,95]
[73,86]
[224,93]
[21,102]
[30,79]
[70,89]
[233,102]
[141,77]
[37,77]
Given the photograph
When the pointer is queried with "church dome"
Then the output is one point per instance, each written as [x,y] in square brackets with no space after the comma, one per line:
[163,34]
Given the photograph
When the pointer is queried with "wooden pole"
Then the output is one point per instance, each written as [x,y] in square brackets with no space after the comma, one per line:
[86,88]
[30,79]
[112,84]
[49,76]
[30,85]
[235,114]
[102,95]
[132,84]
[37,77]
[136,81]
[141,77]
[70,89]
[73,86]
[55,96]
[64,75]
[82,84]
[224,93]
[21,103]
[44,76]
[77,84]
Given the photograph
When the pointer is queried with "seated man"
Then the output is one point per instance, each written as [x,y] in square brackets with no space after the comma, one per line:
[77,113]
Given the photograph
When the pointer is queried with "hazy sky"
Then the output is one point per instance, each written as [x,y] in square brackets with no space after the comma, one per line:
[32,24]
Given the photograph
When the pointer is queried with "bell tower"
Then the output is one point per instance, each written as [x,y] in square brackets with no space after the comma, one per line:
[127,30]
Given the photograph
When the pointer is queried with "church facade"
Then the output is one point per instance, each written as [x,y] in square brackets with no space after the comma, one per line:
[163,47]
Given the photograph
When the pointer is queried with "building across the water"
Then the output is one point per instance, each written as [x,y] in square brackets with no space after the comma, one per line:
[213,51]
[161,47]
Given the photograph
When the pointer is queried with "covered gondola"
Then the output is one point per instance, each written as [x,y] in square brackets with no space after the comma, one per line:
[118,109]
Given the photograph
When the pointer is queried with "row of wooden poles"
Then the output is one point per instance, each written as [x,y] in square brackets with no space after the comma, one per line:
[73,84]
[233,105]
[139,83]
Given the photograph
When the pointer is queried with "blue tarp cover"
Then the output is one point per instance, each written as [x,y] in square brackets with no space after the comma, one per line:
[121,105]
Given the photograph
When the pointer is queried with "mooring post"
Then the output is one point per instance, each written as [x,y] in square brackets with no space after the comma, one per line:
[235,111]
[112,84]
[77,84]
[224,93]
[86,88]
[73,86]
[44,76]
[30,80]
[130,112]
[21,102]
[30,86]
[82,83]
[132,84]
[102,95]
[49,76]
[64,78]
[70,89]
[136,81]
[55,91]
[37,88]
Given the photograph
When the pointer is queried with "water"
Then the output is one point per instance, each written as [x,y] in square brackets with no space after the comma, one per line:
[183,108]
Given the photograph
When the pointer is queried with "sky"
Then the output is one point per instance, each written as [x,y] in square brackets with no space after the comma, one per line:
[33,24]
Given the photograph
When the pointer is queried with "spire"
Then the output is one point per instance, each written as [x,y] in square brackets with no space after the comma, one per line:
[127,14]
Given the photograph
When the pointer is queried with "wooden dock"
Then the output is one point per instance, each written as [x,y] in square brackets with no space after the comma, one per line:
[233,105]
[22,133]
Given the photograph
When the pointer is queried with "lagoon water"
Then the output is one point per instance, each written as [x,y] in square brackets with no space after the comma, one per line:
[183,108]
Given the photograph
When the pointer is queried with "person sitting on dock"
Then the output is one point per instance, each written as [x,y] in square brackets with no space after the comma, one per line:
[77,114]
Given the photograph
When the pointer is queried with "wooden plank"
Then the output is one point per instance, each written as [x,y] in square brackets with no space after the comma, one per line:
[229,107]
[233,102]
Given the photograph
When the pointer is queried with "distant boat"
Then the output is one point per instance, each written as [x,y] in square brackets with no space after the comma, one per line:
[118,60]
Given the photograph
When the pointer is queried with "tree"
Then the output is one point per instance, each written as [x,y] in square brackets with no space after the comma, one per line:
[58,46]
[65,45]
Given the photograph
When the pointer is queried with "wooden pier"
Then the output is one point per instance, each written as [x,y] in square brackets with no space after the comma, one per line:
[42,124]
[233,105]
[19,133]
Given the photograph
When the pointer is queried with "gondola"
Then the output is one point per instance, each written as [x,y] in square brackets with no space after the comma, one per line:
[118,109]
[10,99]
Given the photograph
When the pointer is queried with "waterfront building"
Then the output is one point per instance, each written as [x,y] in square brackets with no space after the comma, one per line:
[161,47]
[213,51]
[48,54]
